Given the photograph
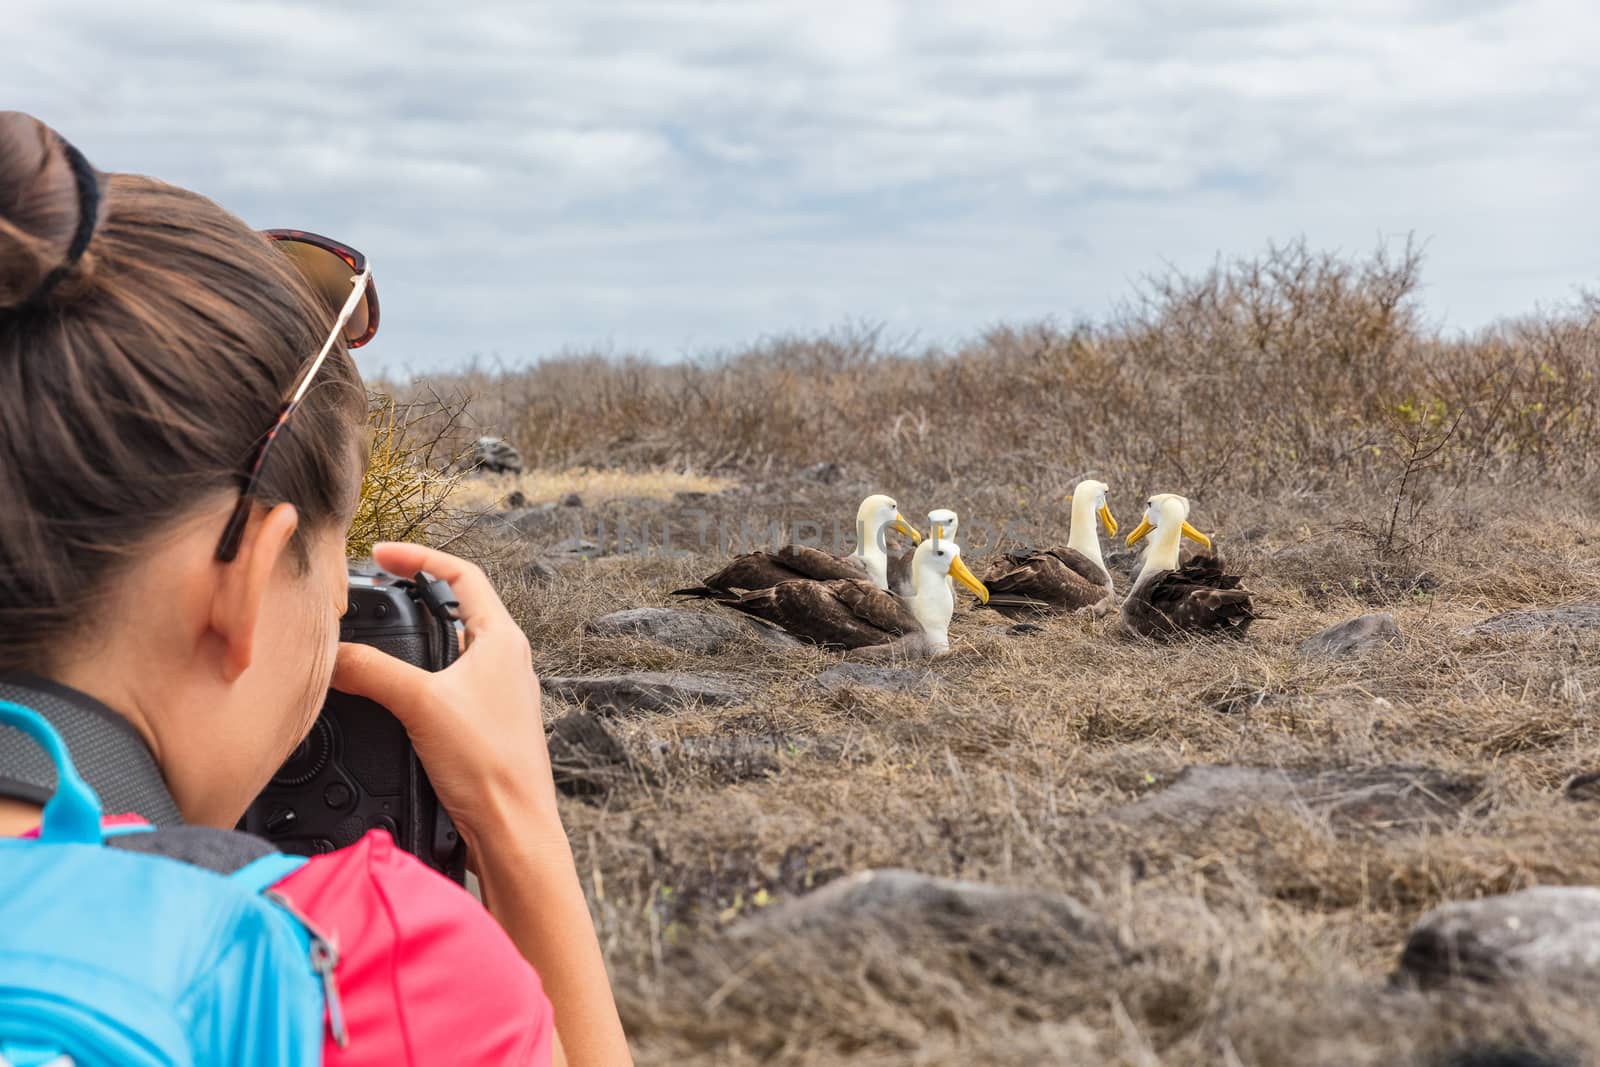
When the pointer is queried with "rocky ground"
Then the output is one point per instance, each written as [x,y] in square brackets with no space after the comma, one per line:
[1358,837]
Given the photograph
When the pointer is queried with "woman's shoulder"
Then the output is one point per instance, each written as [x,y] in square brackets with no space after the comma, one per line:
[425,974]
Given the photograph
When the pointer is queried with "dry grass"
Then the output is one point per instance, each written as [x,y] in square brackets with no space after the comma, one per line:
[591,485]
[1264,935]
[1284,396]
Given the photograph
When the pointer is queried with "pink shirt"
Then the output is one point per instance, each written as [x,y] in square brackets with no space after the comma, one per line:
[425,974]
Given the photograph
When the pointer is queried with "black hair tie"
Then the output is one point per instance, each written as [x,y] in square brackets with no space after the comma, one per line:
[88,218]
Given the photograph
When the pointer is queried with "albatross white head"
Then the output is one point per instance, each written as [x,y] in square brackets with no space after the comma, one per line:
[936,561]
[1167,514]
[877,513]
[942,525]
[1088,504]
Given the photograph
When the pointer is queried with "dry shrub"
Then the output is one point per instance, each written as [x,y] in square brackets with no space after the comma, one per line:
[1289,375]
[410,477]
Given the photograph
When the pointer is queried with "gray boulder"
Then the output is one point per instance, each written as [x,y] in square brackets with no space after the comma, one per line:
[515,524]
[1584,786]
[645,691]
[1352,799]
[535,573]
[1018,629]
[491,455]
[532,519]
[1547,933]
[906,905]
[587,760]
[864,676]
[1353,637]
[723,759]
[576,548]
[1122,563]
[687,631]
[824,473]
[1567,616]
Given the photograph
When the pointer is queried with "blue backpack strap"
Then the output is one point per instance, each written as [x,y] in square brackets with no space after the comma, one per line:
[72,815]
[264,873]
[245,985]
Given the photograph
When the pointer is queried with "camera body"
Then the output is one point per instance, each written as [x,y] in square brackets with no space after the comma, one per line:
[356,770]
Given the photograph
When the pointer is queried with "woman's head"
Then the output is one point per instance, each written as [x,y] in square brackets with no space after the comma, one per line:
[133,394]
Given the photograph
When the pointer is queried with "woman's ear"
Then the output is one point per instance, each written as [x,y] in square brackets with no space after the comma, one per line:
[242,594]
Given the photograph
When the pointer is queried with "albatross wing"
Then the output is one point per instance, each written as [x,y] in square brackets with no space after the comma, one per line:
[763,570]
[822,566]
[845,613]
[1199,598]
[1055,580]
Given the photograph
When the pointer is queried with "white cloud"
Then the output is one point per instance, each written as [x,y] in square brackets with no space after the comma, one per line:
[531,177]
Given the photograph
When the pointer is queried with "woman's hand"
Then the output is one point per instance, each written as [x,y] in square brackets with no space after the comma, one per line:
[477,729]
[476,725]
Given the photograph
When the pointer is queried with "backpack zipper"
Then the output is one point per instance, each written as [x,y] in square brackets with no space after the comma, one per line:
[324,961]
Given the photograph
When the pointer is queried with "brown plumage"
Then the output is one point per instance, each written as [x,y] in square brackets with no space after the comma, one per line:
[838,614]
[764,570]
[899,570]
[1198,598]
[877,515]
[1050,581]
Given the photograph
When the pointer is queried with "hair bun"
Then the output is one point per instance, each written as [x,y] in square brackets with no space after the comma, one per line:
[40,198]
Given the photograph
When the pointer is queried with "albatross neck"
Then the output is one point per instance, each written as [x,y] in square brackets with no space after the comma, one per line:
[933,605]
[1162,555]
[1084,533]
[869,550]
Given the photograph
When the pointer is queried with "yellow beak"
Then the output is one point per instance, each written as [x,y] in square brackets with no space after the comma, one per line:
[1105,517]
[906,528]
[938,533]
[959,572]
[1139,531]
[1196,536]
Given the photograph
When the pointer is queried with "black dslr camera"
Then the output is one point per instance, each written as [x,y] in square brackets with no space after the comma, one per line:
[356,770]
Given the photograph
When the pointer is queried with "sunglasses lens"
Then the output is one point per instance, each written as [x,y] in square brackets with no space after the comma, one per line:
[331,276]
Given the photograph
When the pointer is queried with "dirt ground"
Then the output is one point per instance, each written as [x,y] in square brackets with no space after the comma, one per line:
[1225,844]
[1253,927]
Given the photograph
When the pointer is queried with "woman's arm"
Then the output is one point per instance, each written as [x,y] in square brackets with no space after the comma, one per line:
[536,898]
[478,730]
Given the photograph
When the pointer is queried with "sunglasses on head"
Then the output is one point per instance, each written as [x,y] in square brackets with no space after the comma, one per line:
[341,277]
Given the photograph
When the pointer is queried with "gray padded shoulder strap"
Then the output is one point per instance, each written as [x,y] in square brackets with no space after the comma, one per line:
[108,752]
[223,851]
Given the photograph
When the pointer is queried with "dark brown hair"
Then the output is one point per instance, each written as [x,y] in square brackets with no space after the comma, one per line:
[136,390]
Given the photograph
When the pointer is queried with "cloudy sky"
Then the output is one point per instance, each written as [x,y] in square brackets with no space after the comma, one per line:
[674,177]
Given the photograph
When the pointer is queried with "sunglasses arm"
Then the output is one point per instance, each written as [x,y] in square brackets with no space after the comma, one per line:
[233,533]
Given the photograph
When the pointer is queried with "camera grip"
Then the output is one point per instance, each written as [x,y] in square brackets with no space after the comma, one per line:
[356,770]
